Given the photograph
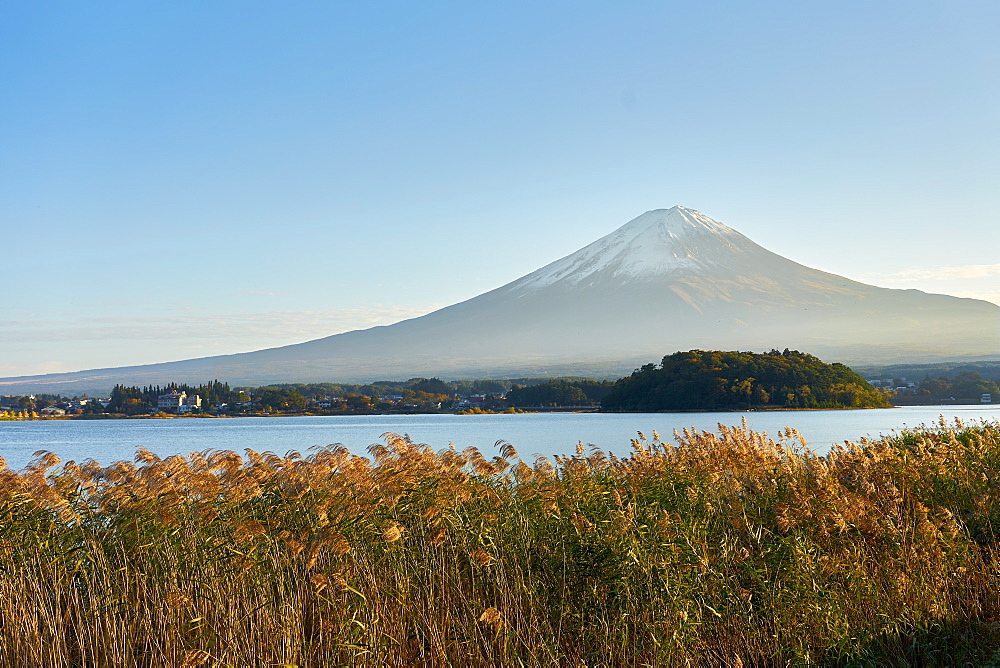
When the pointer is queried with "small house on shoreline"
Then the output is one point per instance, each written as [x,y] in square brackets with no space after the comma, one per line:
[178,402]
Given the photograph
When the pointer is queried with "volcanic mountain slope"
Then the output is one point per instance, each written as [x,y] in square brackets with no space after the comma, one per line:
[669,280]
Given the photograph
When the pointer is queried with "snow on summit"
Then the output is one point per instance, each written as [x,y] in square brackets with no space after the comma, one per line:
[658,243]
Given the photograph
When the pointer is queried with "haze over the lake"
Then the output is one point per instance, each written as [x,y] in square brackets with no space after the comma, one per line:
[188,179]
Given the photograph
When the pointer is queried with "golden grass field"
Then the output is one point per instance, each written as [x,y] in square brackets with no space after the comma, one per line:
[713,549]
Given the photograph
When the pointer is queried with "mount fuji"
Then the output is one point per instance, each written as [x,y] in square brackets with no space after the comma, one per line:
[669,280]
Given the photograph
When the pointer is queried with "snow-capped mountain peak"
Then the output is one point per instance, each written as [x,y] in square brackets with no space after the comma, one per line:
[676,220]
[669,280]
[658,243]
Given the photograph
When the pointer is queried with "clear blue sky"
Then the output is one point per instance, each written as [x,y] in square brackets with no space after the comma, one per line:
[181,179]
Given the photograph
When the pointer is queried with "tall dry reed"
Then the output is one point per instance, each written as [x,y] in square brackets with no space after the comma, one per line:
[726,548]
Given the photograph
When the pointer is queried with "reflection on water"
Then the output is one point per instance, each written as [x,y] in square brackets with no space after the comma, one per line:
[532,434]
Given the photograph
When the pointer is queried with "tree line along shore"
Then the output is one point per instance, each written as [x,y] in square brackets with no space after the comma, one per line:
[692,380]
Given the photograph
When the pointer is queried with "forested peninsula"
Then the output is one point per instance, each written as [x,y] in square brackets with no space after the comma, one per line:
[730,380]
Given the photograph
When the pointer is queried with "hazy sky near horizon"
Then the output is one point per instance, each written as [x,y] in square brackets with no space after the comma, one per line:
[188,179]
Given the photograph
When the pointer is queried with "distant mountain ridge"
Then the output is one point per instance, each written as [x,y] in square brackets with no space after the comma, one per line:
[668,280]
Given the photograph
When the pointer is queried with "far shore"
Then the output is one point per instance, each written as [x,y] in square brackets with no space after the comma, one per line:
[530,409]
[533,409]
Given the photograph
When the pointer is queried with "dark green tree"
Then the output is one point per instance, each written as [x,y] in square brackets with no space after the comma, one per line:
[730,380]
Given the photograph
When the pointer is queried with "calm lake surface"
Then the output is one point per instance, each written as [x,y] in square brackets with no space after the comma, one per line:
[531,433]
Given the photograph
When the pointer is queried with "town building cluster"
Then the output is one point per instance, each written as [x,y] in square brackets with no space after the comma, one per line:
[900,385]
[27,404]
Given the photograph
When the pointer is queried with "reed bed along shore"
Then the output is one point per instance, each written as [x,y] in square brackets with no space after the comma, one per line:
[725,548]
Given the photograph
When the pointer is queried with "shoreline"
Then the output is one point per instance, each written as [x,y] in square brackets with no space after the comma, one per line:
[531,410]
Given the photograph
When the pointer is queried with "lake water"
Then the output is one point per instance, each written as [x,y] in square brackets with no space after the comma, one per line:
[531,433]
